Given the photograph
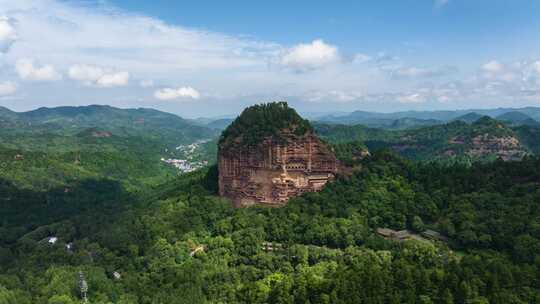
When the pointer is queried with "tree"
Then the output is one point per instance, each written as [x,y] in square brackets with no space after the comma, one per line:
[61,299]
[6,296]
[417,224]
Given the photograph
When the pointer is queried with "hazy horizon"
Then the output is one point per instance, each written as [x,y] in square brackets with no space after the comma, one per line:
[307,114]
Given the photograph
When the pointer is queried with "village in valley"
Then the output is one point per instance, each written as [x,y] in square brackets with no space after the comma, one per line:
[192,157]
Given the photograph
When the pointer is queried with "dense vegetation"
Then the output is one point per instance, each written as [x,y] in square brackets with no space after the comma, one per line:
[75,202]
[415,119]
[48,148]
[530,136]
[445,142]
[262,120]
[121,122]
[328,253]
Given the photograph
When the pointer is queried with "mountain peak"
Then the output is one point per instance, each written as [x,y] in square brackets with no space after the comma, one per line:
[266,119]
[470,117]
[270,154]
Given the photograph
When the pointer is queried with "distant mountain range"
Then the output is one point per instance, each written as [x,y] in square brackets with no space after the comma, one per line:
[407,119]
[468,118]
[418,135]
[518,118]
[220,124]
[410,119]
[122,122]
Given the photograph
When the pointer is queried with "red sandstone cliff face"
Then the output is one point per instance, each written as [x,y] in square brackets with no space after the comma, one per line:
[485,145]
[275,170]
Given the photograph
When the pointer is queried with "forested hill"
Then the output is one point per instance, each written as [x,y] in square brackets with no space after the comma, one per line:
[518,119]
[484,139]
[120,121]
[180,243]
[6,113]
[51,147]
[262,120]
[78,196]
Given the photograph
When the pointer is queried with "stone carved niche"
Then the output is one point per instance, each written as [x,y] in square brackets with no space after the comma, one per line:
[275,170]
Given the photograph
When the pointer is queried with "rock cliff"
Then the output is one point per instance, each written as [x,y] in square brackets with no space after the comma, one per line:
[269,154]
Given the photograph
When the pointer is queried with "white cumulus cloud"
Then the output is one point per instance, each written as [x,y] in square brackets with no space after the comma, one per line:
[175,93]
[92,75]
[495,70]
[81,41]
[8,34]
[113,80]
[27,70]
[493,67]
[312,55]
[64,33]
[7,88]
[443,93]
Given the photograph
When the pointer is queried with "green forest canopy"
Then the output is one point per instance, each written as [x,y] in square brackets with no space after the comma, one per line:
[262,120]
[329,252]
[178,242]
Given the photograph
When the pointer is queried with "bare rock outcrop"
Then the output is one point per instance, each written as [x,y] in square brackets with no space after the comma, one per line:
[505,147]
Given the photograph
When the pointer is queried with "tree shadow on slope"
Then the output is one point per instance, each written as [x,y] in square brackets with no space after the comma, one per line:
[24,210]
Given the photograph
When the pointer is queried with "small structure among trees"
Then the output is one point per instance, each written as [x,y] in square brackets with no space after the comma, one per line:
[269,246]
[83,287]
[434,235]
[399,236]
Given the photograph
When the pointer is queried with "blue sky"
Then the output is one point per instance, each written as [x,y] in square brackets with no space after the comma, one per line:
[209,58]
[447,29]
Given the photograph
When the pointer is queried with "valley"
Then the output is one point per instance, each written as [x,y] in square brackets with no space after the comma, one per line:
[269,152]
[86,196]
